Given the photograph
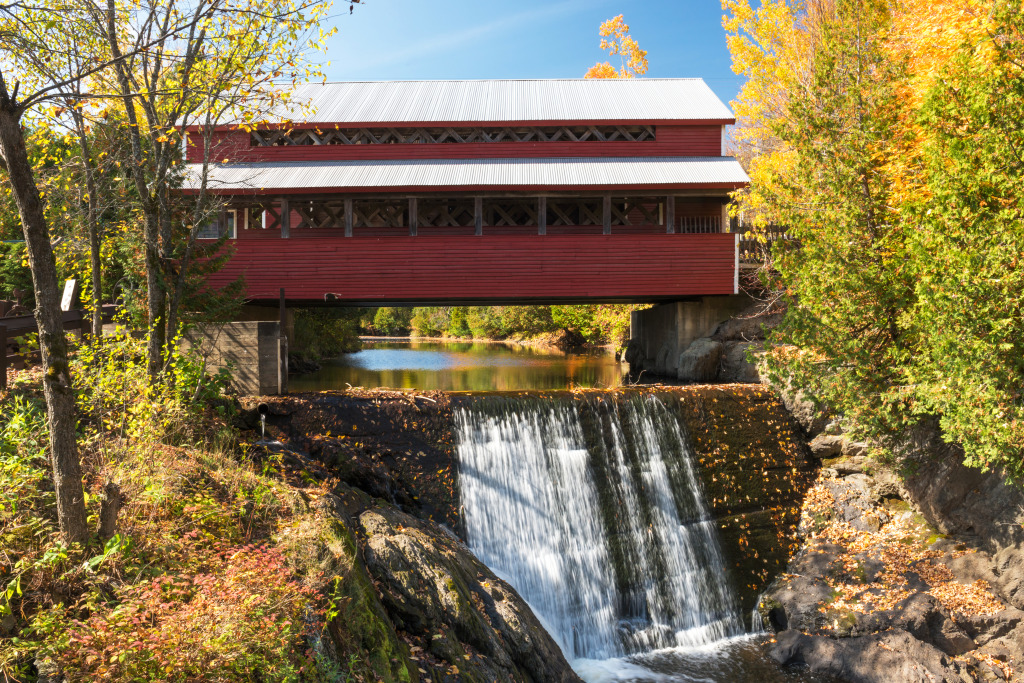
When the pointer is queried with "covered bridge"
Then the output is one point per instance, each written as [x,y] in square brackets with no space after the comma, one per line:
[386,193]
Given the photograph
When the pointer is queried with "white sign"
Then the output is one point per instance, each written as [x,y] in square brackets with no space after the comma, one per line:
[70,293]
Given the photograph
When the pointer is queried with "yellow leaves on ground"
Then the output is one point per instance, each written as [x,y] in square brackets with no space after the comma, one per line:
[900,547]
[616,40]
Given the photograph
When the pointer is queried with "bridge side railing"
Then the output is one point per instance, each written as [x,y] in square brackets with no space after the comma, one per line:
[755,245]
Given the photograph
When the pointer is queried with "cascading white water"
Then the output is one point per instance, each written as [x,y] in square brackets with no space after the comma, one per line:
[593,511]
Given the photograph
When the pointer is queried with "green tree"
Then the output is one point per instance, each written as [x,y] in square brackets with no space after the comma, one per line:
[392,321]
[430,321]
[968,248]
[844,337]
[457,325]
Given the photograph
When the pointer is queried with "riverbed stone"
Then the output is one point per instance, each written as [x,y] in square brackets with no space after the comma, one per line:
[699,362]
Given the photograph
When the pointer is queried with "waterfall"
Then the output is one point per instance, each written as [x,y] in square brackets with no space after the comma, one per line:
[591,508]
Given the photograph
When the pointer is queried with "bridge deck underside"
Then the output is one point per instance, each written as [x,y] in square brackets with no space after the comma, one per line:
[484,269]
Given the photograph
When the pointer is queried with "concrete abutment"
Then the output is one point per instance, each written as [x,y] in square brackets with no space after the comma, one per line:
[660,335]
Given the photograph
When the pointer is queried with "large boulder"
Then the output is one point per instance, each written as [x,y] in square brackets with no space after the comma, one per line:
[433,586]
[635,355]
[736,368]
[878,658]
[699,362]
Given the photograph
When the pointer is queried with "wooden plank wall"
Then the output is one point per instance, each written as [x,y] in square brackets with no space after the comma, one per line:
[488,267]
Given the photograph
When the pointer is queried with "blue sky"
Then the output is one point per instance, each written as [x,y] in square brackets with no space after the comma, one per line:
[436,39]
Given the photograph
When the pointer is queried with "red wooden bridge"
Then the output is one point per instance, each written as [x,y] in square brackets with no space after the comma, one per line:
[481,192]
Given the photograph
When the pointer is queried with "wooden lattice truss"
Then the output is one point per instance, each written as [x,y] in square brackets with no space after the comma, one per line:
[433,136]
[462,212]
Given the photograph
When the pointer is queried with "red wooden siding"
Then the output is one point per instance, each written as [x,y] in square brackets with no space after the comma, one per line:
[486,268]
[672,141]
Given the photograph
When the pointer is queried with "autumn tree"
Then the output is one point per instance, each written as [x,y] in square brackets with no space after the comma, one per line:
[35,41]
[227,61]
[616,40]
[968,241]
[888,137]
[829,133]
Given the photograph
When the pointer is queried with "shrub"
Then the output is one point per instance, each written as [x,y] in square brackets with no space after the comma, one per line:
[326,332]
[246,613]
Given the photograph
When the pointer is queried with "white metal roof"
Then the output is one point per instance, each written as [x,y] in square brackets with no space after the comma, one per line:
[448,174]
[601,99]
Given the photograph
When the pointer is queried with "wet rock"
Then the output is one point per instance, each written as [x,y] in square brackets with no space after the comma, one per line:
[793,603]
[735,366]
[699,362]
[878,658]
[635,355]
[431,584]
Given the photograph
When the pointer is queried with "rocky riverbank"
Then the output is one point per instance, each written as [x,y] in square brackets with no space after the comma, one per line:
[915,574]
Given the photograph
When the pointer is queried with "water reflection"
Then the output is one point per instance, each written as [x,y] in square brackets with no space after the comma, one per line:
[462,366]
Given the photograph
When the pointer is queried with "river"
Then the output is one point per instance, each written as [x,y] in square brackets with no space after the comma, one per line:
[463,366]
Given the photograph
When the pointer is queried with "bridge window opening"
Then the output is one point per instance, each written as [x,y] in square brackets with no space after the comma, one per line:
[216,227]
[449,135]
[380,217]
[510,213]
[573,212]
[319,214]
[700,224]
[455,212]
[638,211]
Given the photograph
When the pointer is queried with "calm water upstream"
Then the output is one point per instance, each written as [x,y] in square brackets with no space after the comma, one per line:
[462,366]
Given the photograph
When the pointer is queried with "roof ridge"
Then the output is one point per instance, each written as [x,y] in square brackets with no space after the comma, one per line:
[512,80]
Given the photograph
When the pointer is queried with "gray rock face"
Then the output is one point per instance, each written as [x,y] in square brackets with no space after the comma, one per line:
[635,354]
[959,499]
[879,658]
[813,420]
[750,325]
[735,366]
[431,584]
[699,362]
[826,446]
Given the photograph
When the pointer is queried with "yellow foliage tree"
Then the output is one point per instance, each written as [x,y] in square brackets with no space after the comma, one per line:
[616,40]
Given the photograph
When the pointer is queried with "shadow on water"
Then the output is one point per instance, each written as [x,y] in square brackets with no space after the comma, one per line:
[461,366]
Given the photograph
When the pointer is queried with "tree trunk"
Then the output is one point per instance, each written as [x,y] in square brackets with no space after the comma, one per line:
[93,222]
[60,398]
[156,301]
